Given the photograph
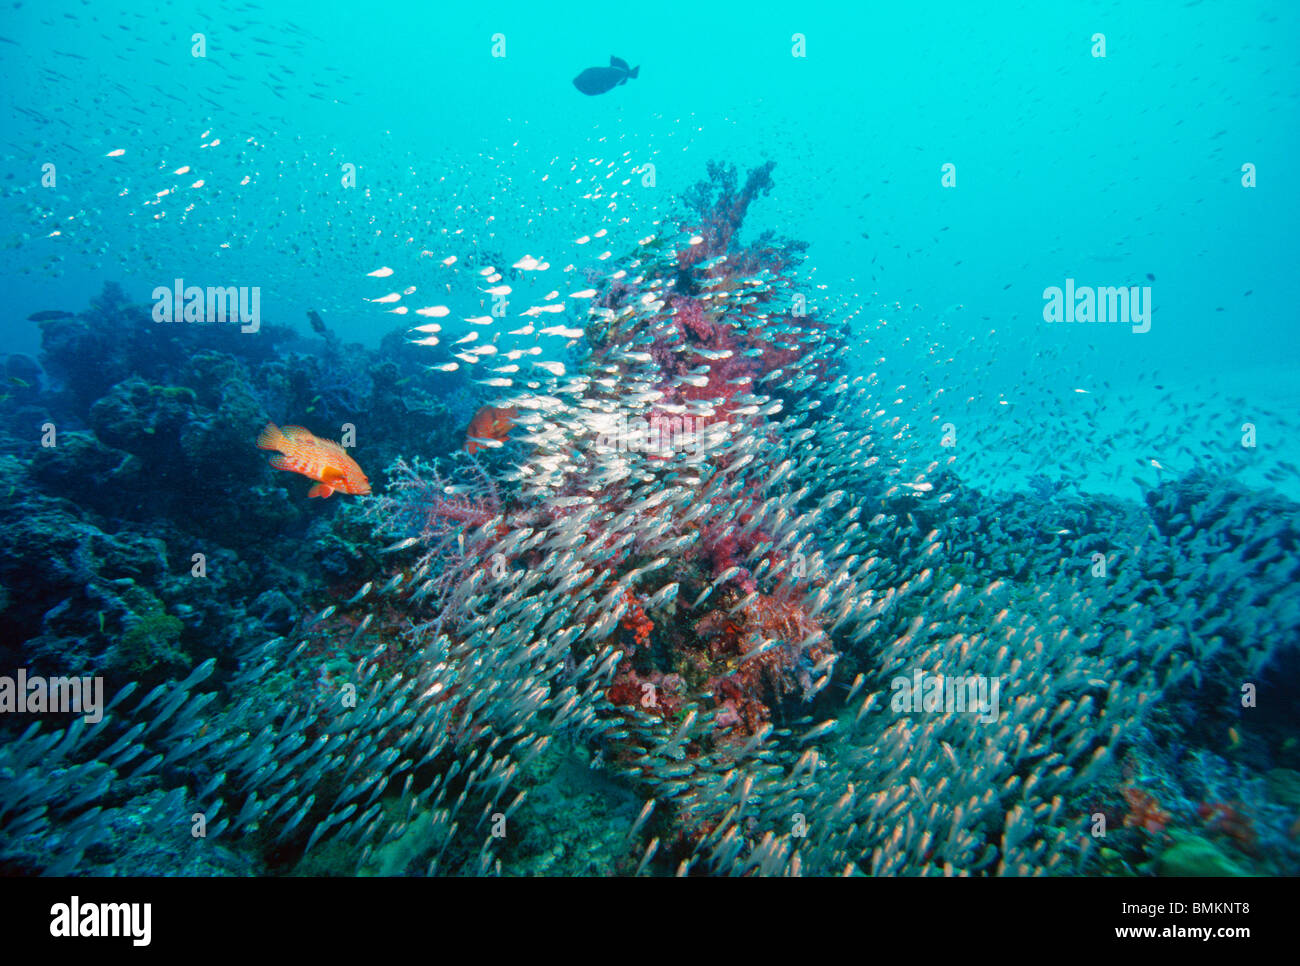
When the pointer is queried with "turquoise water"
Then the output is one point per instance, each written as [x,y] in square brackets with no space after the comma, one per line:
[944,165]
[1068,165]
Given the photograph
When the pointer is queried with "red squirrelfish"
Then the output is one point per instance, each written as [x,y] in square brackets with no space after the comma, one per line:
[320,459]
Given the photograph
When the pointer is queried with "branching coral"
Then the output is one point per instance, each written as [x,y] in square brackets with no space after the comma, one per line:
[454,524]
[720,207]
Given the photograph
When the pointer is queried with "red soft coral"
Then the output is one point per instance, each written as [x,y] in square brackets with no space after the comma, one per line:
[636,621]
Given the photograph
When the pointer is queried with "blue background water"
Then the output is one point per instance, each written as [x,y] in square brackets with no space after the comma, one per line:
[1068,165]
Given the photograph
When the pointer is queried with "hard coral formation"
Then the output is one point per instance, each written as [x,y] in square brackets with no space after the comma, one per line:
[143,532]
[150,641]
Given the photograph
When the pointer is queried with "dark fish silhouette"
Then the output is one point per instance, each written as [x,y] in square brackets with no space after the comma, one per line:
[48,315]
[598,80]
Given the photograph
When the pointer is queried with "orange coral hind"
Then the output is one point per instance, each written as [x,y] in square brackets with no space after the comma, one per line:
[326,462]
[489,423]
